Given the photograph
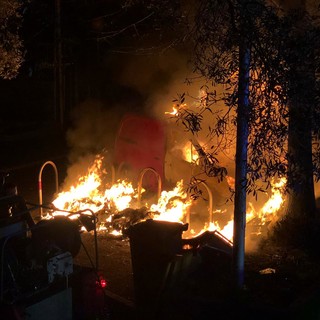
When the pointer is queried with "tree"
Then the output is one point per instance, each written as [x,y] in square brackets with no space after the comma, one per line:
[243,116]
[303,130]
[225,42]
[11,47]
[283,95]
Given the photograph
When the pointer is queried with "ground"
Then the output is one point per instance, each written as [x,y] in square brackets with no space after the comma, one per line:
[114,260]
[279,283]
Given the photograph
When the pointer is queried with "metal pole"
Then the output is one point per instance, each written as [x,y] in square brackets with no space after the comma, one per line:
[40,182]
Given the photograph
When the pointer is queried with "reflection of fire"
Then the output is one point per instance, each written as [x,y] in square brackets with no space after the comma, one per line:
[110,201]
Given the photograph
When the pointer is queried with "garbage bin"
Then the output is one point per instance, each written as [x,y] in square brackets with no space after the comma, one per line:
[154,245]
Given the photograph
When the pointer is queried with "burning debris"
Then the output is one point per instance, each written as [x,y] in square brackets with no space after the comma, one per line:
[118,206]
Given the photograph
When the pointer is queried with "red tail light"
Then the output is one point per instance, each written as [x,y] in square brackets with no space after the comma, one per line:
[102,282]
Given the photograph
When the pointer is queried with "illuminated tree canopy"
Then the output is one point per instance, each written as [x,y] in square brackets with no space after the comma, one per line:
[11,47]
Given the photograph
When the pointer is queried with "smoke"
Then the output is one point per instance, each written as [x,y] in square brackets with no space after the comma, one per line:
[147,85]
[93,130]
[130,84]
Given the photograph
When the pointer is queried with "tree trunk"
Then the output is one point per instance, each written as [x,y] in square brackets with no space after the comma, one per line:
[298,227]
[301,197]
[241,164]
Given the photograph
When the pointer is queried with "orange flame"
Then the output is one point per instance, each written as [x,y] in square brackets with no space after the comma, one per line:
[190,154]
[266,214]
[172,205]
[90,193]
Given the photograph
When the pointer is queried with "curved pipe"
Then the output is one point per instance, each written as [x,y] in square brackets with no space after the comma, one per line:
[210,209]
[141,176]
[40,182]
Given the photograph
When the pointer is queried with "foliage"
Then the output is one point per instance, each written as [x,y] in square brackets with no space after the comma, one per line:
[212,30]
[275,52]
[11,48]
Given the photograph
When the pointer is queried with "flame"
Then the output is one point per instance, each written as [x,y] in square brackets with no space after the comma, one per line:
[90,193]
[174,112]
[120,195]
[266,214]
[85,194]
[274,203]
[231,182]
[176,109]
[190,154]
[172,205]
[226,231]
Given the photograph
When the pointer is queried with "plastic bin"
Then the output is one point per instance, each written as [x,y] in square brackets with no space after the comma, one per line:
[154,246]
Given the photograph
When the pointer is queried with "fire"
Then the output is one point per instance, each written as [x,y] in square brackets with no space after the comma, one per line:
[190,154]
[226,231]
[120,195]
[90,193]
[266,214]
[85,194]
[274,203]
[231,182]
[175,109]
[106,201]
[172,205]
